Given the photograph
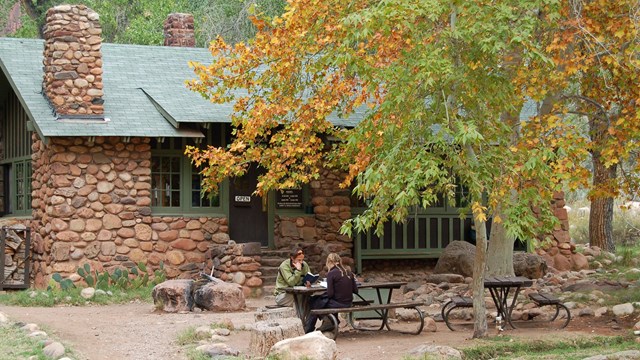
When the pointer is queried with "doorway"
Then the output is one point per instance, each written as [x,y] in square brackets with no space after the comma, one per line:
[247,217]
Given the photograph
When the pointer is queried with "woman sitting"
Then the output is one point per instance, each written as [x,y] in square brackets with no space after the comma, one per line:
[341,285]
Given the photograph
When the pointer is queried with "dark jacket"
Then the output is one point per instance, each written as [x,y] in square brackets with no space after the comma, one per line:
[341,287]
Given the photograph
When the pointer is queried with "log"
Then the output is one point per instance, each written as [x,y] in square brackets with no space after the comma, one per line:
[265,334]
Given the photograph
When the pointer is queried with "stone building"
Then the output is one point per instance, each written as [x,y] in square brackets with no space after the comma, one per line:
[92,159]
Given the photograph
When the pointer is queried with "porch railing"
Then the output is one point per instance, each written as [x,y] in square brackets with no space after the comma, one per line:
[421,236]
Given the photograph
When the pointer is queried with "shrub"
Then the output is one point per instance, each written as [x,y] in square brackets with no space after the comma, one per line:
[122,279]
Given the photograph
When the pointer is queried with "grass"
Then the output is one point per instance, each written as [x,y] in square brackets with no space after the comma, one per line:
[505,347]
[578,348]
[47,298]
[15,344]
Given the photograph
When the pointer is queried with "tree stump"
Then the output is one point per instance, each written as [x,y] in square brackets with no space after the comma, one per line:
[266,314]
[265,334]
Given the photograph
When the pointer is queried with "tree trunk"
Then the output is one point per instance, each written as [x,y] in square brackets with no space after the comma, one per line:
[500,253]
[601,215]
[479,308]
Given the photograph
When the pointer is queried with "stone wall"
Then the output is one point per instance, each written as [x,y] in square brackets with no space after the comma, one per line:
[73,60]
[319,234]
[91,204]
[238,263]
[559,252]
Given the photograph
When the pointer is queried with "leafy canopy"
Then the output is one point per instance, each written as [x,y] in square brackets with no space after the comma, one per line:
[437,86]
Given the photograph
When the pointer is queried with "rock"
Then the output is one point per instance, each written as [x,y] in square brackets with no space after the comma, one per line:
[54,350]
[444,278]
[3,318]
[38,333]
[218,349]
[586,312]
[622,355]
[312,346]
[220,296]
[429,325]
[30,327]
[173,295]
[622,309]
[88,293]
[529,265]
[457,258]
[435,351]
[600,311]
[203,331]
[579,261]
[221,332]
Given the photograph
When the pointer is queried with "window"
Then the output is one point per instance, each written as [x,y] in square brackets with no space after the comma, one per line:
[17,187]
[175,182]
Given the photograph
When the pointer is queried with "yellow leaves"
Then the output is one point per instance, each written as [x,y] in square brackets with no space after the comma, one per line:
[479,211]
[238,146]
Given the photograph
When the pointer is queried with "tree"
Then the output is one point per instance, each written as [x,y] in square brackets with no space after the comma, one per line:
[432,78]
[596,48]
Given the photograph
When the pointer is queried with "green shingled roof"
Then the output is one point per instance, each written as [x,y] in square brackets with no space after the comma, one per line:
[144,91]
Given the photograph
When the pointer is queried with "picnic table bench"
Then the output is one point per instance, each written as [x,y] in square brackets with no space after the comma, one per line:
[381,310]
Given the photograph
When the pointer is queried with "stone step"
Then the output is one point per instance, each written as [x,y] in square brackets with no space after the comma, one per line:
[274,262]
[269,271]
[270,253]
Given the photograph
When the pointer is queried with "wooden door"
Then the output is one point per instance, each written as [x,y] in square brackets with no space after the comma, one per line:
[247,216]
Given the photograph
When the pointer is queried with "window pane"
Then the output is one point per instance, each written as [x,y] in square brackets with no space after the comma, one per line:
[198,199]
[165,180]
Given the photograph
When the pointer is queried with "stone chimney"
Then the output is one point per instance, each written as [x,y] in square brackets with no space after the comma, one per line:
[73,60]
[178,30]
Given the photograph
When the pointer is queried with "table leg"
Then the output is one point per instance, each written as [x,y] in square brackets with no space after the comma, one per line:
[513,303]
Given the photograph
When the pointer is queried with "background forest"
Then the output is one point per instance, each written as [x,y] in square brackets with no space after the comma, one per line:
[140,21]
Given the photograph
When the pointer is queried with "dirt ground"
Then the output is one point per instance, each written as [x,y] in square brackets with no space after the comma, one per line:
[136,331]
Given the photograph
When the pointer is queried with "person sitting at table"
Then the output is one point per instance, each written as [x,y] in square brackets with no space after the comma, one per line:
[290,273]
[341,285]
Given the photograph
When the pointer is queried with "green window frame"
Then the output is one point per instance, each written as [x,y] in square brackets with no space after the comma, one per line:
[18,190]
[176,183]
[176,187]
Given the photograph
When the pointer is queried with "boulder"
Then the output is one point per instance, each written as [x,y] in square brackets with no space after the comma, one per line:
[445,278]
[220,296]
[173,295]
[312,346]
[457,258]
[529,265]
[429,351]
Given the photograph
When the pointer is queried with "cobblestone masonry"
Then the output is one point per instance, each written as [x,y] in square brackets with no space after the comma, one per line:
[73,60]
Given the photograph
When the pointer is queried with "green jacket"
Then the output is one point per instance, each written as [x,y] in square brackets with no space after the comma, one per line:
[289,276]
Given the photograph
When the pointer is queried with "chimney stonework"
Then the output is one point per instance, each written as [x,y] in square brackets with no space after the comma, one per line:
[73,60]
[179,30]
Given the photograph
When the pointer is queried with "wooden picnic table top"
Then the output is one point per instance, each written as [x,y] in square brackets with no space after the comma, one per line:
[508,281]
[364,285]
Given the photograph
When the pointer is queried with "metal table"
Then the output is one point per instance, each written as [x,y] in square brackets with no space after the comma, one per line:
[499,287]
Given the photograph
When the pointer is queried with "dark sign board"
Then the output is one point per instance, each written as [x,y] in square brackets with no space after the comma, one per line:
[289,199]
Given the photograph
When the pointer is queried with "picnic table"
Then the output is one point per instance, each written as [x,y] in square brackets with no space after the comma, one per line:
[500,287]
[380,304]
